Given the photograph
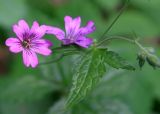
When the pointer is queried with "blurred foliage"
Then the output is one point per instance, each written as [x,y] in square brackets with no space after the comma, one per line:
[44,90]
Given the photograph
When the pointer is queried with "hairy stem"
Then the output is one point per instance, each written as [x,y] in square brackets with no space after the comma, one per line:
[123,38]
[141,47]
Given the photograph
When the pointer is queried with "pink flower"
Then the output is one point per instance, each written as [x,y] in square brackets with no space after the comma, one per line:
[29,42]
[74,33]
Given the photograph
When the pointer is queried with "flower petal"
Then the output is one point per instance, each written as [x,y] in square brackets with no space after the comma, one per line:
[41,42]
[23,25]
[30,58]
[67,41]
[77,22]
[21,29]
[14,45]
[34,26]
[41,46]
[84,42]
[26,59]
[40,32]
[72,25]
[42,50]
[68,20]
[12,41]
[55,31]
[48,43]
[15,49]
[18,31]
[37,31]
[89,28]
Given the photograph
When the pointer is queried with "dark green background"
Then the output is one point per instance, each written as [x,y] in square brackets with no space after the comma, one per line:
[43,90]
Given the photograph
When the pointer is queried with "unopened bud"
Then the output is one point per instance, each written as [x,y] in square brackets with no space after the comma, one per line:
[153,60]
[141,59]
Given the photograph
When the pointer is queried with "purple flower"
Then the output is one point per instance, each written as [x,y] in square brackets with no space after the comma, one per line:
[74,33]
[29,42]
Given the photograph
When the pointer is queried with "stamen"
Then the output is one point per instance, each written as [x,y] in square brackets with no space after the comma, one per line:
[26,43]
[27,40]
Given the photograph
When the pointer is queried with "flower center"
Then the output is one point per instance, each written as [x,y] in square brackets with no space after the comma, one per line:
[26,43]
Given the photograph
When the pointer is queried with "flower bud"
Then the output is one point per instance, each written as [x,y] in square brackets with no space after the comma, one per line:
[141,58]
[153,60]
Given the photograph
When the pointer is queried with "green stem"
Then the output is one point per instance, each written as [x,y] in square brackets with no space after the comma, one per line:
[60,57]
[115,20]
[141,47]
[62,49]
[123,38]
[114,38]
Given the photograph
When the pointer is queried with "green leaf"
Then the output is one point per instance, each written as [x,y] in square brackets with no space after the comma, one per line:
[89,71]
[118,93]
[58,108]
[115,61]
[131,96]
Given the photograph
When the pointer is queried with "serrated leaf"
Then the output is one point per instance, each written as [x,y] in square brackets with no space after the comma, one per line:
[115,61]
[118,93]
[89,71]
[131,96]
